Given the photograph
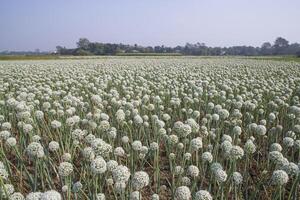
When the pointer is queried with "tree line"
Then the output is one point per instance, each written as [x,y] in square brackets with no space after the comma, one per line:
[280,46]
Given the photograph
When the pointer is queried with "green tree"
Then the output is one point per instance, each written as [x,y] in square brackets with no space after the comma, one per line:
[83,43]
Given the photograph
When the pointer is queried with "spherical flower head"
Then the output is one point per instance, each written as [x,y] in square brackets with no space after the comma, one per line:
[237,178]
[6,126]
[70,122]
[65,169]
[207,157]
[185,181]
[173,139]
[4,135]
[136,145]
[138,120]
[98,165]
[121,174]
[55,124]
[291,169]
[51,195]
[154,146]
[35,150]
[226,137]
[220,175]
[11,142]
[193,124]
[193,171]
[186,156]
[53,146]
[203,195]
[136,195]
[3,173]
[39,115]
[261,130]
[185,130]
[77,186]
[100,147]
[100,196]
[119,151]
[226,147]
[104,125]
[196,144]
[224,114]
[111,165]
[215,117]
[66,157]
[112,133]
[279,177]
[276,147]
[215,166]
[78,134]
[27,128]
[249,147]
[96,99]
[236,152]
[182,193]
[125,139]
[237,130]
[276,156]
[65,188]
[181,129]
[89,138]
[16,196]
[155,197]
[88,153]
[180,146]
[120,115]
[34,196]
[144,150]
[178,170]
[288,142]
[166,117]
[36,138]
[140,180]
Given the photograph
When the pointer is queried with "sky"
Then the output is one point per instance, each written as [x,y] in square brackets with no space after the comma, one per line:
[44,24]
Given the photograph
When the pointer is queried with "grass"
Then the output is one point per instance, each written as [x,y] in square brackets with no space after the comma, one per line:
[137,55]
[28,57]
[278,58]
[148,54]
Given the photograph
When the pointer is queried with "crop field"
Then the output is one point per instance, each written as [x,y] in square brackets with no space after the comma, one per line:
[149,128]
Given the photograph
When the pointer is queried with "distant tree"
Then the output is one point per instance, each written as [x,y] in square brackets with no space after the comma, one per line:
[59,49]
[85,47]
[298,54]
[266,48]
[83,43]
[281,42]
[280,45]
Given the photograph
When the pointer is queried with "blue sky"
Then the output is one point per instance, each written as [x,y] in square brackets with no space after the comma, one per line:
[43,24]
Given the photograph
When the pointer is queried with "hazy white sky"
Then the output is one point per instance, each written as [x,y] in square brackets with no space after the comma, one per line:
[31,24]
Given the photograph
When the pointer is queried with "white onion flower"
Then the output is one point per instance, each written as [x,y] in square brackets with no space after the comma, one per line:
[51,195]
[98,165]
[140,180]
[182,193]
[279,177]
[35,150]
[65,169]
[203,195]
[121,174]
